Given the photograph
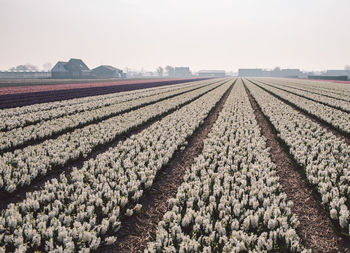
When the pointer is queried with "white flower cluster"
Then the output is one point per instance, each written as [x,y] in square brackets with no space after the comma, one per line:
[20,167]
[336,118]
[325,157]
[323,89]
[44,129]
[22,116]
[230,200]
[82,211]
[309,94]
[338,90]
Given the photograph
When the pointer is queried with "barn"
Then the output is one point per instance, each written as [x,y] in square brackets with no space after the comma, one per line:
[74,68]
[106,71]
[59,71]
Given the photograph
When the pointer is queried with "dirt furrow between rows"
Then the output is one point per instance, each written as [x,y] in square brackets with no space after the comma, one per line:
[315,228]
[18,195]
[138,229]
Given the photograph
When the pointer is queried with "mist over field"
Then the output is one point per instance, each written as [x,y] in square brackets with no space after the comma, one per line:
[310,35]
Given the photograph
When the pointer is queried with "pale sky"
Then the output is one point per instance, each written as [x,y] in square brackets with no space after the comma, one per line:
[220,34]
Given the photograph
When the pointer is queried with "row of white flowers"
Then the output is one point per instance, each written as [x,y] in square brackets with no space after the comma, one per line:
[83,210]
[20,167]
[23,116]
[337,90]
[309,87]
[309,94]
[230,200]
[335,117]
[325,157]
[44,129]
[70,102]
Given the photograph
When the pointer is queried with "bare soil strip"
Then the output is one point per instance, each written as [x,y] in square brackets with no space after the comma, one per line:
[18,195]
[138,229]
[337,132]
[315,227]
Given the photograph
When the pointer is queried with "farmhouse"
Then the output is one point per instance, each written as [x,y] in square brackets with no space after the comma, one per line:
[105,71]
[74,68]
[212,73]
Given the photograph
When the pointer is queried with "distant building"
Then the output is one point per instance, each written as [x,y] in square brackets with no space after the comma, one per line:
[74,68]
[182,71]
[212,73]
[277,72]
[291,73]
[334,72]
[59,71]
[250,72]
[105,71]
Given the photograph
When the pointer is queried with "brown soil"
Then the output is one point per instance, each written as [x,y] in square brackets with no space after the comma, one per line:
[138,229]
[315,227]
[6,198]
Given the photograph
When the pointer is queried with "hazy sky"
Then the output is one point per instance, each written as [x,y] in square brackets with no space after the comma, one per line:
[220,34]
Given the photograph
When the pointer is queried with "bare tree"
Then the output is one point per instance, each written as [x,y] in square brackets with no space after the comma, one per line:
[170,70]
[47,66]
[160,71]
[26,67]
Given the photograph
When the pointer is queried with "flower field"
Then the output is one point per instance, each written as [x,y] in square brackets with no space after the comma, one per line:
[82,174]
[55,87]
[11,97]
